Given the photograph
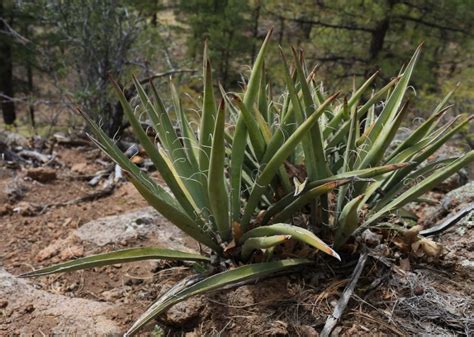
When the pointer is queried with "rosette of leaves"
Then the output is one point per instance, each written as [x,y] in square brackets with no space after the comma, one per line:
[261,171]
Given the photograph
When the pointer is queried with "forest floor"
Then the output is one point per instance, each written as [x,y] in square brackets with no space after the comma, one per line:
[52,216]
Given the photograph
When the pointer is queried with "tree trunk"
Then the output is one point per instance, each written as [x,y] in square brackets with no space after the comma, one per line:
[6,75]
[115,127]
[29,77]
[255,30]
[31,107]
[378,37]
[380,31]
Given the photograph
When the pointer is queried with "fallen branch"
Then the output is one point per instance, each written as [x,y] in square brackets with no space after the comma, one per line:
[105,192]
[117,173]
[166,73]
[7,154]
[341,305]
[100,174]
[34,155]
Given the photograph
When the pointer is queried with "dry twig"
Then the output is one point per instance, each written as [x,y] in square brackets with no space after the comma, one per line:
[341,305]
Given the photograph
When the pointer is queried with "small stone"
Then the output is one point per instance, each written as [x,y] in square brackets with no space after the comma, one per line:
[133,281]
[418,290]
[468,266]
[72,286]
[12,139]
[71,252]
[3,304]
[5,209]
[15,191]
[47,253]
[370,238]
[29,308]
[184,312]
[27,208]
[42,174]
[79,167]
[114,294]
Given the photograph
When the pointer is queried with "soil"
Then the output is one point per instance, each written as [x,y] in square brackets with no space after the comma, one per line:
[395,296]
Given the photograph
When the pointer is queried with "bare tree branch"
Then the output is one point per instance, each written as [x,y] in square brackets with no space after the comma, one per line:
[166,73]
[322,24]
[432,24]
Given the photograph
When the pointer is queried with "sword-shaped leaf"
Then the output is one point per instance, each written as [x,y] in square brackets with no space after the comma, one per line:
[421,156]
[411,179]
[277,159]
[156,195]
[217,188]
[306,198]
[348,221]
[389,112]
[423,187]
[265,242]
[309,154]
[120,256]
[420,133]
[309,106]
[335,122]
[352,175]
[341,131]
[171,179]
[256,137]
[296,233]
[208,117]
[380,144]
[191,146]
[170,142]
[212,283]
[349,158]
[240,134]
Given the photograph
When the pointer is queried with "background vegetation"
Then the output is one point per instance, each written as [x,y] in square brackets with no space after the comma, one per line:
[61,53]
[259,162]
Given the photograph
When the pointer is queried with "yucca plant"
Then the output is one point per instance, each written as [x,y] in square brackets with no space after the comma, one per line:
[262,170]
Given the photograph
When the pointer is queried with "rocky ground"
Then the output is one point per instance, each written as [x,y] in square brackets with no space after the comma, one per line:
[52,213]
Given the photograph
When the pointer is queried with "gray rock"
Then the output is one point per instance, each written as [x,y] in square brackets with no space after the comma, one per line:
[35,310]
[456,180]
[459,197]
[451,203]
[144,223]
[13,139]
[184,312]
[15,190]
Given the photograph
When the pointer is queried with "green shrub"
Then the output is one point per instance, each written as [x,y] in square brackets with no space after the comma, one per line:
[307,160]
